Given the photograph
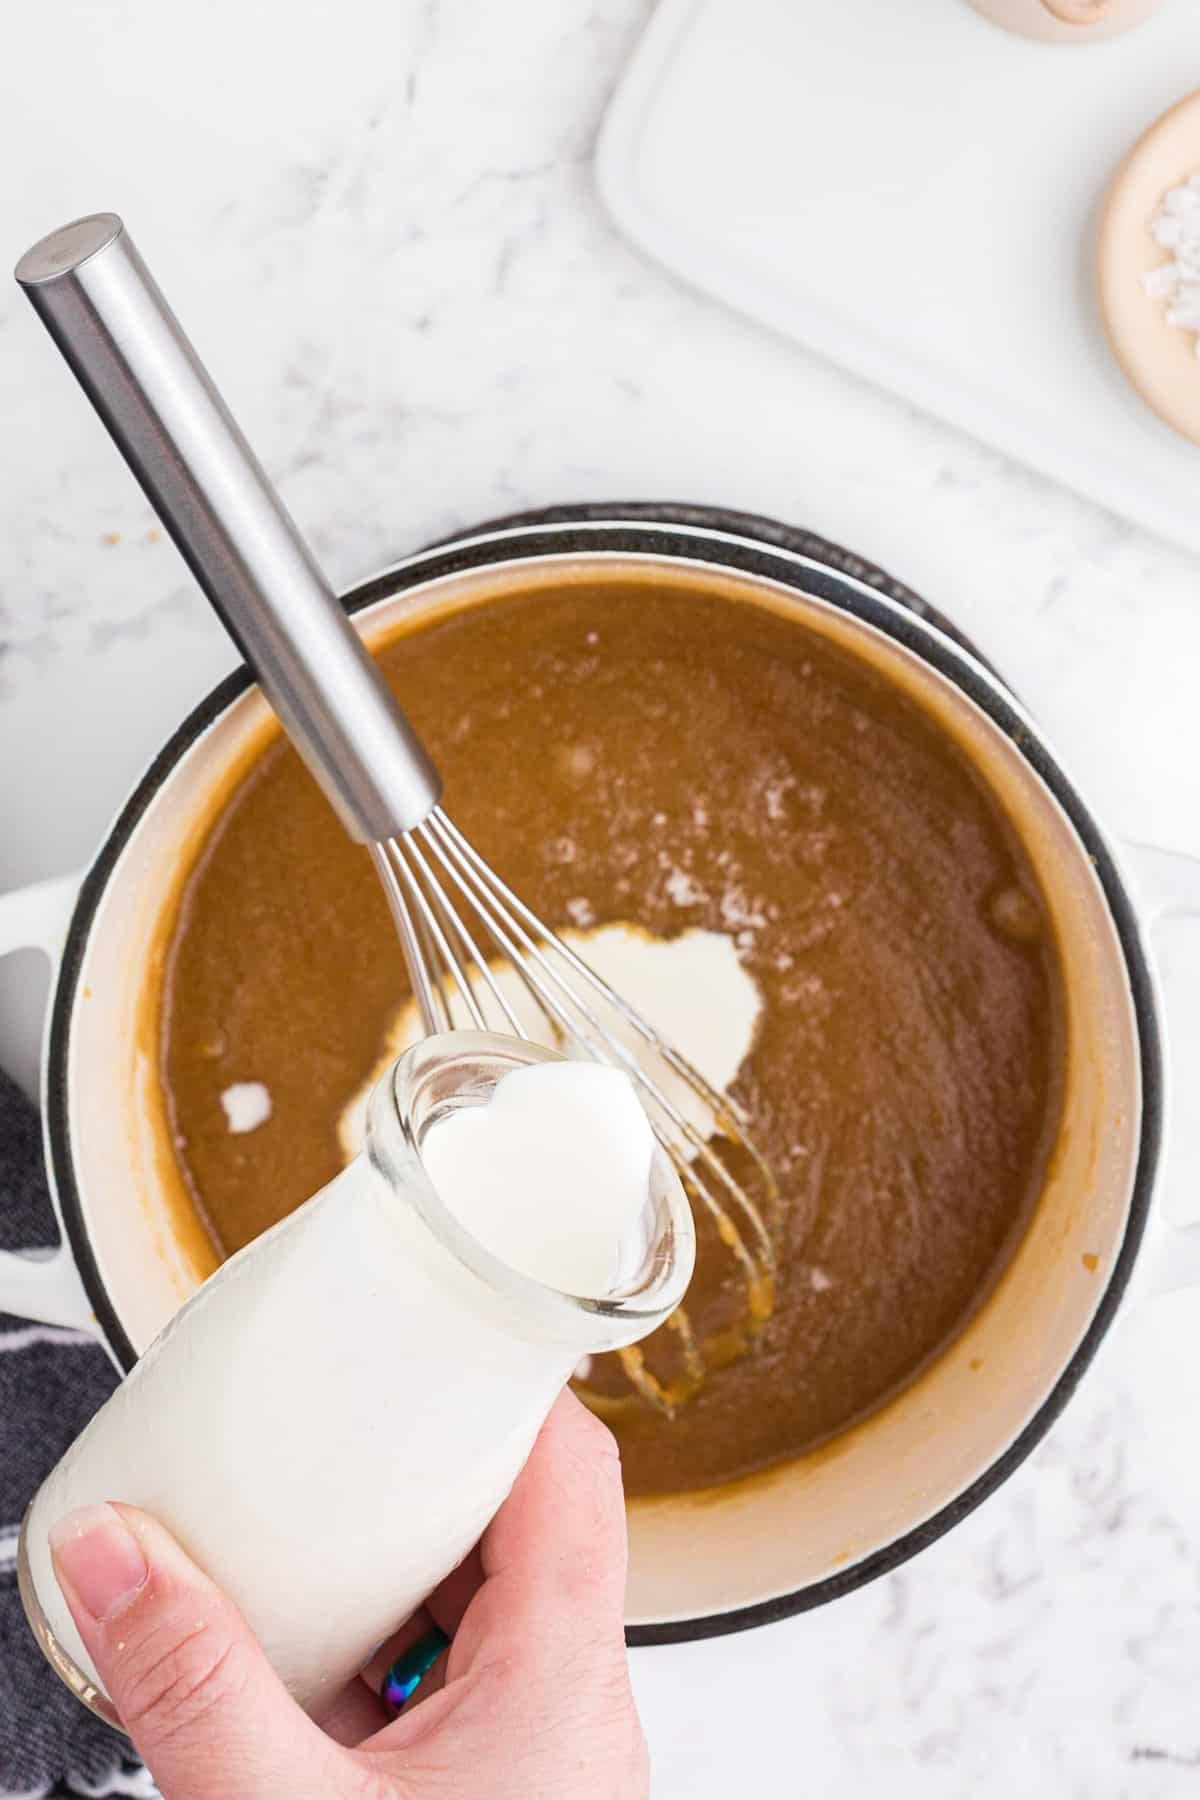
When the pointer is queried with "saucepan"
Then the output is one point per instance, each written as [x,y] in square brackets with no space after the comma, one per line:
[813,1529]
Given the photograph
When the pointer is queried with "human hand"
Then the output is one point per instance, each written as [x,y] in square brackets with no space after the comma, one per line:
[532,1698]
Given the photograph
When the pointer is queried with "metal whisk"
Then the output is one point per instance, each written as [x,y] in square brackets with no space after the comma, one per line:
[459,924]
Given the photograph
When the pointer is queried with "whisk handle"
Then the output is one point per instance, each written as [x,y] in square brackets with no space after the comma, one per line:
[105,312]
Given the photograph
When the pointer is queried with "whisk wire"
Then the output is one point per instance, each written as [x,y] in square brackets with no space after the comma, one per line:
[460,925]
[511,925]
[475,893]
[720,1104]
[442,907]
[551,998]
[422,968]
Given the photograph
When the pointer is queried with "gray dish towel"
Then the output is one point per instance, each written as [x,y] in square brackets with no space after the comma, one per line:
[51,1382]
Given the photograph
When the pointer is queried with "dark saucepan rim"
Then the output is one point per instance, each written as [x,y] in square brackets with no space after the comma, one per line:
[751,544]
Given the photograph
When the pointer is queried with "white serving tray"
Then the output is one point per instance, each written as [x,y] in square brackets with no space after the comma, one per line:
[912,192]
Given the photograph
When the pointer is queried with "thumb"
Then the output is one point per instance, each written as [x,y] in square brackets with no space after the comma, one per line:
[194,1690]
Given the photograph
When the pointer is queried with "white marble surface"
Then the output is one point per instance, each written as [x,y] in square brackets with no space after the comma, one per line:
[378,221]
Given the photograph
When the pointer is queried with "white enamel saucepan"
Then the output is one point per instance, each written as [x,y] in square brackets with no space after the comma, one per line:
[828,1522]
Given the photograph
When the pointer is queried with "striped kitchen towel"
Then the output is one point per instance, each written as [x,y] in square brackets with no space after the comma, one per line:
[51,1382]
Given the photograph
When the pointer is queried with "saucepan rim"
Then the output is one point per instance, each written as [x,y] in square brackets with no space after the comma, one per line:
[755,546]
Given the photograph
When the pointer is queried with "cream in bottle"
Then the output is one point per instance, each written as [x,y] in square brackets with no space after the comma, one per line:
[331,1421]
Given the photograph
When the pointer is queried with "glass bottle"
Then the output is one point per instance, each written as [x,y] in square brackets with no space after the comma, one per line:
[331,1421]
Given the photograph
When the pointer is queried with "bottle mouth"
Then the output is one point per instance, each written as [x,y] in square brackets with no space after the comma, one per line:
[463,1068]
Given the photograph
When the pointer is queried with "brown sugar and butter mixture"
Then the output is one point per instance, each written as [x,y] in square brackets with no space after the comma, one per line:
[630,751]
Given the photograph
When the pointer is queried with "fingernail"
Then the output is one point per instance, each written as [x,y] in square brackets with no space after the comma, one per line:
[99,1559]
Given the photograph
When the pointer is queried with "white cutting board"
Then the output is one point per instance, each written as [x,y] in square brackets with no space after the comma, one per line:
[912,192]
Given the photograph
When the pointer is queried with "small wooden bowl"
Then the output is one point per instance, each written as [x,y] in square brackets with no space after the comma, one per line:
[1160,360]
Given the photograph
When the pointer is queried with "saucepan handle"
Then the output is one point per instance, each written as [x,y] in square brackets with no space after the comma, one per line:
[41,1284]
[1168,884]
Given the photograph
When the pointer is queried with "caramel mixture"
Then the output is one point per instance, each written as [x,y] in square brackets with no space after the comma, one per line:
[632,751]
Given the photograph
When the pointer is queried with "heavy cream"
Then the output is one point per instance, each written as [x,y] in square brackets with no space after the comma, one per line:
[331,1421]
[553,1175]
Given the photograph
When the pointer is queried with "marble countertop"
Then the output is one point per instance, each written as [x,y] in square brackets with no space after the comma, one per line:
[382,232]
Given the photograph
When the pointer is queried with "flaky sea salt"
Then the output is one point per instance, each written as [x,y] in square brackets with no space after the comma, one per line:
[1176,227]
[739,912]
[683,889]
[775,796]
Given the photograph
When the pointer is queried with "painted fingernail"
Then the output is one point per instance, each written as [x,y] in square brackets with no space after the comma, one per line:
[410,1669]
[98,1559]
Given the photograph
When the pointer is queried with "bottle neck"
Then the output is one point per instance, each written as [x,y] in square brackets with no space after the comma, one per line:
[463,1068]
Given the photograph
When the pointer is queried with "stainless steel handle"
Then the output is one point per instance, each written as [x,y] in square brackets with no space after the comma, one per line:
[105,312]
